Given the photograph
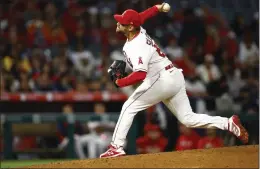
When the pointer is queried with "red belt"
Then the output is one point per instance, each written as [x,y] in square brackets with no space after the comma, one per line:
[169,66]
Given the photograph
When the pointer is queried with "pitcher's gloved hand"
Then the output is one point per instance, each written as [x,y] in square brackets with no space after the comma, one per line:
[117,71]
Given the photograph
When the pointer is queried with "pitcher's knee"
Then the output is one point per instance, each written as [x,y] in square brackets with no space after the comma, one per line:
[126,105]
[188,119]
[130,107]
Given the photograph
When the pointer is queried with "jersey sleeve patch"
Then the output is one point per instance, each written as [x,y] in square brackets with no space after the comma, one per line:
[140,61]
[140,54]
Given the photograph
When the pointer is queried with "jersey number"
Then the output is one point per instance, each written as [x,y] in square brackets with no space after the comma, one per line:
[149,41]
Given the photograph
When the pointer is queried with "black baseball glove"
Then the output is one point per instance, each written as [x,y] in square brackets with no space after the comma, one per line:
[117,71]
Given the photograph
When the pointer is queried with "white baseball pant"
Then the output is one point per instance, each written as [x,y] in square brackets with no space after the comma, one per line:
[167,86]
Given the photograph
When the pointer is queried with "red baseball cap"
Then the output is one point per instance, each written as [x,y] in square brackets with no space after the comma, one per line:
[129,17]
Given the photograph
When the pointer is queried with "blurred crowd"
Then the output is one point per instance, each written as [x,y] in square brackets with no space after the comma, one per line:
[153,140]
[67,46]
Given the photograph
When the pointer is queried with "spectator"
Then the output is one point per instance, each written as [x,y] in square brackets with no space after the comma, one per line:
[208,71]
[223,99]
[96,85]
[248,50]
[211,140]
[11,62]
[62,68]
[44,83]
[153,140]
[81,86]
[100,134]
[116,53]
[62,56]
[212,42]
[248,96]
[8,80]
[64,83]
[192,27]
[198,91]
[224,103]
[229,47]
[186,64]
[173,50]
[238,25]
[48,32]
[35,31]
[30,12]
[83,60]
[234,79]
[80,36]
[52,30]
[188,138]
[62,128]
[219,90]
[70,17]
[37,61]
[195,86]
[24,84]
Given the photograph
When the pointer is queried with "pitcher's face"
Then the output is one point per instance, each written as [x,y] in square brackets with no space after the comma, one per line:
[121,28]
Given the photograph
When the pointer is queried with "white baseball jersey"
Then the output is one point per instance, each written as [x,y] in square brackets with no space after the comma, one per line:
[142,54]
[163,85]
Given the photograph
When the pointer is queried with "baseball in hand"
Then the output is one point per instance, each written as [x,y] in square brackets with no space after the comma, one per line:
[166,7]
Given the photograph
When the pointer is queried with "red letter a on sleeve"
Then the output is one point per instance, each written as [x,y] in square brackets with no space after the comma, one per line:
[140,61]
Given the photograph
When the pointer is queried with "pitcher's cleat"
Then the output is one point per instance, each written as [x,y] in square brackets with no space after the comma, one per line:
[235,127]
[113,151]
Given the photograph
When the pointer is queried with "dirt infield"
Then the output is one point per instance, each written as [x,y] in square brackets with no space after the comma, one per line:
[228,157]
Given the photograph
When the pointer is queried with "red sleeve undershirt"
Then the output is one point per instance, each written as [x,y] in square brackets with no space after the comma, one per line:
[131,79]
[148,13]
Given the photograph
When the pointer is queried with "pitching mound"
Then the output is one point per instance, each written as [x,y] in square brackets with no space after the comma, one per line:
[228,157]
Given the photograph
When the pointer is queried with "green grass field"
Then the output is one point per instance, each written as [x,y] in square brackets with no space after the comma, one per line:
[22,163]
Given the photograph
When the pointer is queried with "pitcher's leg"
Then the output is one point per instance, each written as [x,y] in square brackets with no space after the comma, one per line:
[146,95]
[180,107]
[129,110]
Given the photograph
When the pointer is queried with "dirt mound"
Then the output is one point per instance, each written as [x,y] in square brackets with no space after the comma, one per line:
[228,157]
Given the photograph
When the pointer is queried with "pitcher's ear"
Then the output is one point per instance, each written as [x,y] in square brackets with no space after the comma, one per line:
[131,28]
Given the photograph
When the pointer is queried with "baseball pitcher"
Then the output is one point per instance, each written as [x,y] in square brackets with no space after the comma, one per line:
[161,81]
